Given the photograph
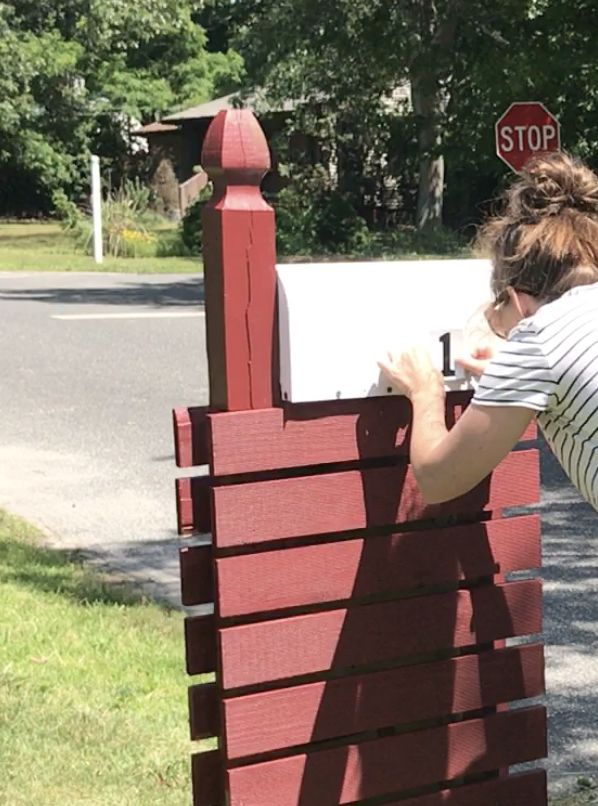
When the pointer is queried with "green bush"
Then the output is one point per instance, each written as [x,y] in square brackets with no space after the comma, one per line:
[324,222]
[338,226]
[78,225]
[320,223]
[295,222]
[127,220]
[190,227]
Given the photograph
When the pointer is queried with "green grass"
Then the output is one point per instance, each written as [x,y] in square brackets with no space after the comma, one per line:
[44,246]
[93,708]
[586,791]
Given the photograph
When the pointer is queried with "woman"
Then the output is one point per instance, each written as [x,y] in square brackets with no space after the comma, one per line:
[544,253]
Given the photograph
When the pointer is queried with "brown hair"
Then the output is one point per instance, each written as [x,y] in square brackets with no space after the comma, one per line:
[546,241]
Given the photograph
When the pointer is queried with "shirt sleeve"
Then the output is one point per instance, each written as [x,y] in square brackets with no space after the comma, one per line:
[519,375]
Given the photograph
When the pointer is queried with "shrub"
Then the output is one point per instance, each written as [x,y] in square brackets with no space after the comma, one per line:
[78,225]
[126,217]
[190,227]
[295,222]
[312,222]
[338,226]
[325,222]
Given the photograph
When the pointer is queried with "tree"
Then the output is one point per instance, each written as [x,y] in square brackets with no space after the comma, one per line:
[77,74]
[355,53]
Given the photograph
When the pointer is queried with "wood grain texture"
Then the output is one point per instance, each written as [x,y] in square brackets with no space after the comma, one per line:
[383,766]
[272,720]
[207,778]
[328,572]
[204,711]
[297,435]
[239,257]
[306,434]
[522,789]
[200,644]
[325,503]
[190,436]
[347,637]
[197,575]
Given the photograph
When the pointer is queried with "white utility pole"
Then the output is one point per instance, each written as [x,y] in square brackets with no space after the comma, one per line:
[96,208]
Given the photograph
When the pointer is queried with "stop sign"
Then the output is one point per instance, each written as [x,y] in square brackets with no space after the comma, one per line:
[525,129]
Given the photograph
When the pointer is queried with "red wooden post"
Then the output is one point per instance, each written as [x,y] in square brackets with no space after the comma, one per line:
[358,634]
[239,257]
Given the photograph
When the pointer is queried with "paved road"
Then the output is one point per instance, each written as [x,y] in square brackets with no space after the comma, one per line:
[86,446]
[86,452]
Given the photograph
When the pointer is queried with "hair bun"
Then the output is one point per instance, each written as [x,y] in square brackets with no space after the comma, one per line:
[551,184]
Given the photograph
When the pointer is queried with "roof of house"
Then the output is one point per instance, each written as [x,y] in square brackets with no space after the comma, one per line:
[157,127]
[254,101]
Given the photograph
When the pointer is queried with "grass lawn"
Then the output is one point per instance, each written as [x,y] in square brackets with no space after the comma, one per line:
[93,693]
[577,799]
[44,246]
[93,708]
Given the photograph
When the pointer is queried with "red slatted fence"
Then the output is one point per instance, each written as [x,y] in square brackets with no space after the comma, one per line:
[358,635]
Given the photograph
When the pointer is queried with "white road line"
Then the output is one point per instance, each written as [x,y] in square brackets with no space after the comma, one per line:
[132,315]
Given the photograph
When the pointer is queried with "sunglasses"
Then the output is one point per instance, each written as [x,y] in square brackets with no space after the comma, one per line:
[498,305]
[493,310]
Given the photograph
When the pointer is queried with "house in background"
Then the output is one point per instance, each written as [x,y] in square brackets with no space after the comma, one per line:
[175,143]
[174,147]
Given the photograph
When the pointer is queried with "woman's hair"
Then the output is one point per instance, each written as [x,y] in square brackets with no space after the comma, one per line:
[546,240]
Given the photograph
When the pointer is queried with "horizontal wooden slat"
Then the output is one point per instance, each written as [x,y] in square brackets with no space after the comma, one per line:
[314,433]
[383,766]
[197,575]
[208,779]
[190,436]
[259,723]
[333,502]
[328,572]
[309,434]
[200,644]
[193,505]
[522,789]
[204,711]
[342,638]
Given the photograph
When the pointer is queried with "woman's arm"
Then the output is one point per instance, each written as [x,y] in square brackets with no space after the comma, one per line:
[447,463]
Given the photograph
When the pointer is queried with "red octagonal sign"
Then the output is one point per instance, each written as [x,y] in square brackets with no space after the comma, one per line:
[525,129]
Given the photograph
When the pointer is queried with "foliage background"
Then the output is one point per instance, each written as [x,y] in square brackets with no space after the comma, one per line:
[79,74]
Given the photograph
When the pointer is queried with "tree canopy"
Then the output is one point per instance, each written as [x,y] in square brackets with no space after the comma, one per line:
[77,73]
[464,61]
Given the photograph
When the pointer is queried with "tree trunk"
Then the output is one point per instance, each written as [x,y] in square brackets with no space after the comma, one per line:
[430,71]
[429,105]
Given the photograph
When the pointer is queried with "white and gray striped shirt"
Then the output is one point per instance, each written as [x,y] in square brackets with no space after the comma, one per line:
[550,364]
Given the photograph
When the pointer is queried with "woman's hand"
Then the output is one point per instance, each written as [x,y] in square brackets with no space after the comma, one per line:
[412,373]
[477,361]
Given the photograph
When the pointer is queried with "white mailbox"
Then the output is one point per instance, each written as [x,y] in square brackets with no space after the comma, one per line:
[337,319]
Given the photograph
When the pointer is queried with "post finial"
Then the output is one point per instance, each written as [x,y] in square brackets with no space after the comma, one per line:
[235,148]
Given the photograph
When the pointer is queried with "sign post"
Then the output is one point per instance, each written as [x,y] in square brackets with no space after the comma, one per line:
[524,130]
[96,207]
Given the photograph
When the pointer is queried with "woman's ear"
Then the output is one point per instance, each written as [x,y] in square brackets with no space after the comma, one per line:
[516,301]
[524,304]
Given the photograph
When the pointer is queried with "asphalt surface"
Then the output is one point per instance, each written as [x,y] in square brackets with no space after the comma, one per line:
[86,446]
[86,452]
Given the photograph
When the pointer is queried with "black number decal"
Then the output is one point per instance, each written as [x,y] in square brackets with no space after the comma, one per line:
[446,354]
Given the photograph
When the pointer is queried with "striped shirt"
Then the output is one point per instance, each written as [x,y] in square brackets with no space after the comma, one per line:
[550,364]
